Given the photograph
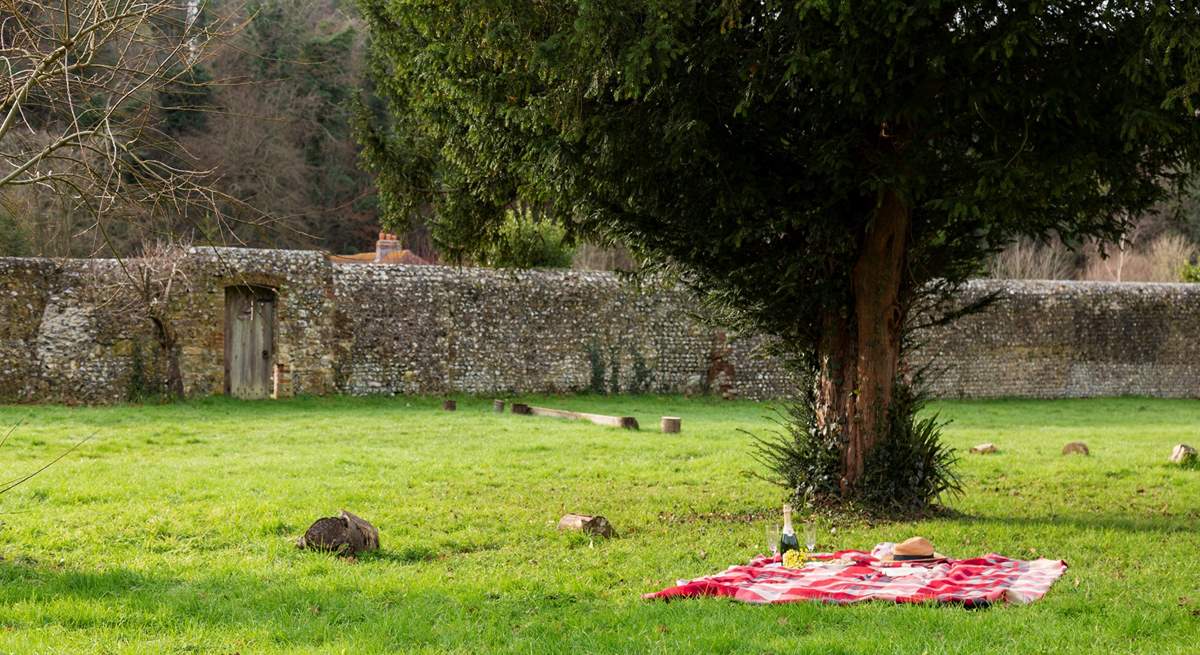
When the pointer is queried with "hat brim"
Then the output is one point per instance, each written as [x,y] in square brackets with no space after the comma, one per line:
[908,560]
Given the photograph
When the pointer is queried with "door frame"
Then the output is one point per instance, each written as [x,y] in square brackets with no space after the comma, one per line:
[254,291]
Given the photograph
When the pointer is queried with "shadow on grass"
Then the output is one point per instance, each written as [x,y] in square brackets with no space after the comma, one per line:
[289,611]
[1174,523]
[367,607]
[232,610]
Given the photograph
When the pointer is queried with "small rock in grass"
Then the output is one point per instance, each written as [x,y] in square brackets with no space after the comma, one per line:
[347,535]
[984,449]
[593,525]
[1183,454]
[1076,448]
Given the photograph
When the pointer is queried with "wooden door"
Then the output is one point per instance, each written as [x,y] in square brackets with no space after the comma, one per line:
[249,341]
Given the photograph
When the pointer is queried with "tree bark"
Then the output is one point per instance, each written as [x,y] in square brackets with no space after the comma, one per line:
[169,348]
[859,350]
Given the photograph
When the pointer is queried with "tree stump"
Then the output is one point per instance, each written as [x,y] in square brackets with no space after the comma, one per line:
[449,405]
[1076,448]
[593,525]
[498,406]
[671,424]
[521,408]
[1183,454]
[346,534]
[984,449]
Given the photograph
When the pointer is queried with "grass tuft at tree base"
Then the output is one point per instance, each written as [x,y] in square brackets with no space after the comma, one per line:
[906,474]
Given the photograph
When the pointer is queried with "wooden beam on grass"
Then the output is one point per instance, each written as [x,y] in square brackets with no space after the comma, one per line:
[626,422]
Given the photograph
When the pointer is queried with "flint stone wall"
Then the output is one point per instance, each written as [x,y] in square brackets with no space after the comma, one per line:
[414,329]
[71,332]
[76,331]
[1056,339]
[304,311]
[63,336]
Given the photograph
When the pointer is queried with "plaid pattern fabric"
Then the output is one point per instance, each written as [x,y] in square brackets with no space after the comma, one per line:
[973,582]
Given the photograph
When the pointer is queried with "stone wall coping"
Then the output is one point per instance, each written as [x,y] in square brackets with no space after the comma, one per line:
[239,255]
[1044,286]
[442,271]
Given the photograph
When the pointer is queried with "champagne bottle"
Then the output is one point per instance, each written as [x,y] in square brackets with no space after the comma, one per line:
[787,538]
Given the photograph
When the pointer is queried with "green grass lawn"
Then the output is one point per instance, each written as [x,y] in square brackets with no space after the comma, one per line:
[172,531]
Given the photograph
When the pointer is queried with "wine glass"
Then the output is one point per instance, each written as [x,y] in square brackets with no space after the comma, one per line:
[810,535]
[773,539]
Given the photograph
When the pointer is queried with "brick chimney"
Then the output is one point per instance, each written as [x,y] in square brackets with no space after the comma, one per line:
[386,245]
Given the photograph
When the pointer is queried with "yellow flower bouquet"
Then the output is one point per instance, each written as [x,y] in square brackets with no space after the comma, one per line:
[793,559]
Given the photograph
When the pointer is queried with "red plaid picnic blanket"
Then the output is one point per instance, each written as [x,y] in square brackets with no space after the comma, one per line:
[851,576]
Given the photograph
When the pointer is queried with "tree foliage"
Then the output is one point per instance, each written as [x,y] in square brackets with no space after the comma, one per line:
[811,167]
[526,240]
[744,139]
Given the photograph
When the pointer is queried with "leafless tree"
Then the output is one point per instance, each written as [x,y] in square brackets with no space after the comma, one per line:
[593,257]
[282,139]
[1161,259]
[158,276]
[1030,259]
[86,85]
[147,288]
[82,87]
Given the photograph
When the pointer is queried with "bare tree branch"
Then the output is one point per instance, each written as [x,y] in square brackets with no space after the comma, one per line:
[84,80]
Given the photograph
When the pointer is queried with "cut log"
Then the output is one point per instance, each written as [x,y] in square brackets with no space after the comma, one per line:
[369,532]
[498,406]
[627,422]
[1076,448]
[449,405]
[1183,454]
[520,408]
[984,449]
[671,424]
[593,525]
[346,534]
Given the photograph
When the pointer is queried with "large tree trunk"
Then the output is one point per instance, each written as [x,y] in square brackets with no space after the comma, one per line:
[859,353]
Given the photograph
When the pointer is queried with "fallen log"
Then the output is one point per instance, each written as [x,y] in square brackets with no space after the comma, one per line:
[626,422]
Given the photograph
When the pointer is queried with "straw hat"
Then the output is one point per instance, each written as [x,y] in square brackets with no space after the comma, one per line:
[916,549]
